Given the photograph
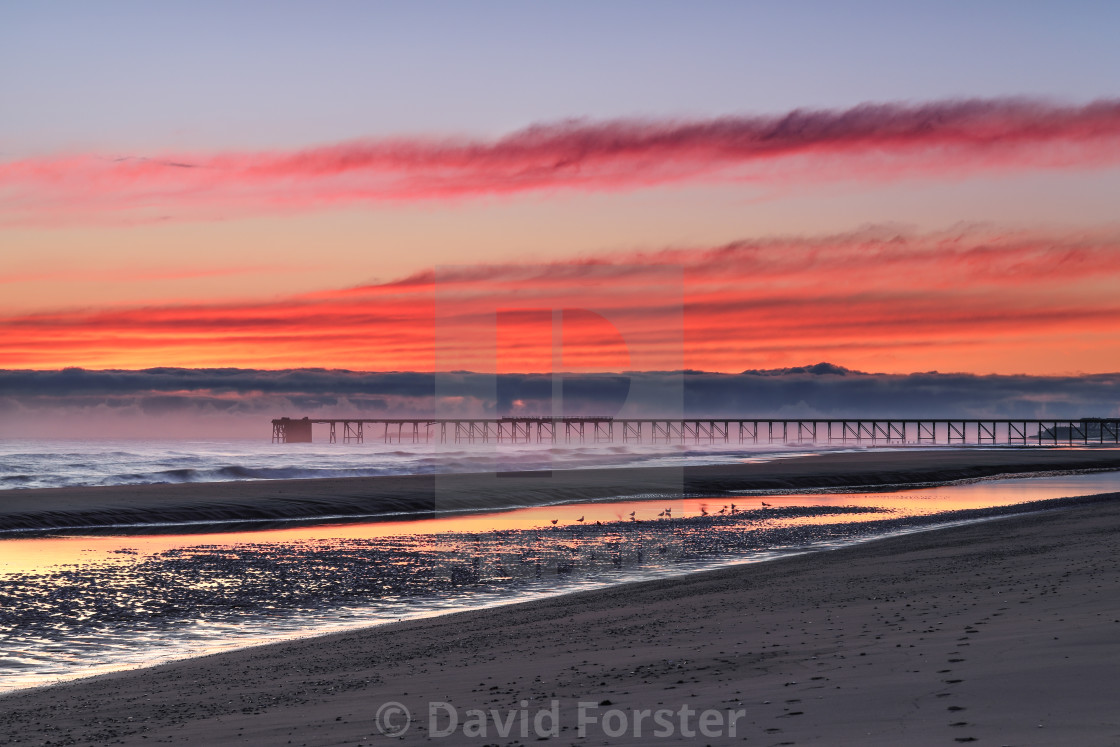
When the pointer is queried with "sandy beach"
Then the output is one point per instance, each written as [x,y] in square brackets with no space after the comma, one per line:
[262,500]
[580,374]
[1005,632]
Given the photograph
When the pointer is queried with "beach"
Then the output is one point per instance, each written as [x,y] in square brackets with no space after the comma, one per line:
[500,374]
[295,499]
[1001,632]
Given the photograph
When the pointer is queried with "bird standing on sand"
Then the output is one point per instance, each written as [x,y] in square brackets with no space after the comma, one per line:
[580,519]
[661,515]
[555,520]
[732,508]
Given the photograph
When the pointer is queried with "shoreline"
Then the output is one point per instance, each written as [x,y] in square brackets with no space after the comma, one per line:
[315,499]
[991,629]
[863,533]
[875,531]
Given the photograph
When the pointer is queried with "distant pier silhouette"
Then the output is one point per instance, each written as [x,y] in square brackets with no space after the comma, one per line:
[861,431]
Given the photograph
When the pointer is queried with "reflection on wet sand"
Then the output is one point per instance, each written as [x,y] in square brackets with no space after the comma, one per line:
[73,605]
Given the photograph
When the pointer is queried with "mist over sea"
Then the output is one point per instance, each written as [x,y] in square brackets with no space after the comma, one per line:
[71,462]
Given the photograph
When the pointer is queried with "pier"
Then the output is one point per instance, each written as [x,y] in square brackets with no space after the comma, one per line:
[808,431]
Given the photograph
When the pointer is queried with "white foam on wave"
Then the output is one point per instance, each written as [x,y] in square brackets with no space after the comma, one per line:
[61,463]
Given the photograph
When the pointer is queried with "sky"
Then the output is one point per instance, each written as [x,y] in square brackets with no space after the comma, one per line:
[717,186]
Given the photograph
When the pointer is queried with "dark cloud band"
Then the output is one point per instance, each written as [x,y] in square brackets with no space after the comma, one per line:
[822,390]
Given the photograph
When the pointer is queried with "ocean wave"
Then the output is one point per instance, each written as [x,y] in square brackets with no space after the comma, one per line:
[239,472]
[75,463]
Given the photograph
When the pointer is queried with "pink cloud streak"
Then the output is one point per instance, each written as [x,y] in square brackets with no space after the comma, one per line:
[871,141]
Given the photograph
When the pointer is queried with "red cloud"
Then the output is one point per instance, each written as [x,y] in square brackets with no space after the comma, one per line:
[971,300]
[867,142]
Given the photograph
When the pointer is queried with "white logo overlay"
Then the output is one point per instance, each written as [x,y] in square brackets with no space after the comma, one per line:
[589,719]
[393,719]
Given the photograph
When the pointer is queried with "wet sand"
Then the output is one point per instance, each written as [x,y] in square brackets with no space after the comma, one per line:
[1005,632]
[360,496]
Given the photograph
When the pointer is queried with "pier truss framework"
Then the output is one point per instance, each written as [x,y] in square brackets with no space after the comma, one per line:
[567,430]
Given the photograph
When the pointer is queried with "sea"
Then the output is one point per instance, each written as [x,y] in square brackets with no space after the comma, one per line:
[103,600]
[67,463]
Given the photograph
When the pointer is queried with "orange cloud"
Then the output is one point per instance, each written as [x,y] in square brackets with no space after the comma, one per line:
[870,142]
[973,300]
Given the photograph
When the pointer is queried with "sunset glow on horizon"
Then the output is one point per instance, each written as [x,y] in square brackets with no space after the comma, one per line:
[986,303]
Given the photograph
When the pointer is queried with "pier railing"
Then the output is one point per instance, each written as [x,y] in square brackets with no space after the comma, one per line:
[874,431]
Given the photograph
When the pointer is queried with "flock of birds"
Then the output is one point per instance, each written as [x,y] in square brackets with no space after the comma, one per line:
[668,513]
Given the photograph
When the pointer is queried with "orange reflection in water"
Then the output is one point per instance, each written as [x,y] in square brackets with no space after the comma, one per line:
[35,555]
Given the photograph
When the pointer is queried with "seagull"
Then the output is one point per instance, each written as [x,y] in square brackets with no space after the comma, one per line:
[669,510]
[555,520]
[764,503]
[723,510]
[703,512]
[732,508]
[580,519]
[661,515]
[632,514]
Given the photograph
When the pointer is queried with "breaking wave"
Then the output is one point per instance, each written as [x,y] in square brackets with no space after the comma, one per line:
[56,464]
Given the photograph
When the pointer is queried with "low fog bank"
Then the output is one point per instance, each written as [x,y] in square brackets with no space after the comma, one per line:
[239,403]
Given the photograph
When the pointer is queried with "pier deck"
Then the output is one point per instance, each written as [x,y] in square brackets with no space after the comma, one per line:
[920,431]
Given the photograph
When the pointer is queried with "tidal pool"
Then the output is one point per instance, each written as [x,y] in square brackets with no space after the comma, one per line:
[77,605]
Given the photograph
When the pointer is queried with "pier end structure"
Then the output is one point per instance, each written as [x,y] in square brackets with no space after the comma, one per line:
[290,431]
